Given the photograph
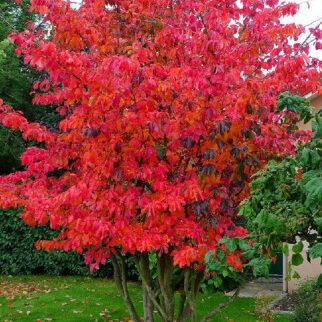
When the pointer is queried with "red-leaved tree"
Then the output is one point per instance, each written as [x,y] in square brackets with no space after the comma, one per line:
[167,110]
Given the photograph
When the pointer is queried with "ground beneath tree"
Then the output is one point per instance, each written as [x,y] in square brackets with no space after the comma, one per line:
[258,288]
[80,299]
[287,303]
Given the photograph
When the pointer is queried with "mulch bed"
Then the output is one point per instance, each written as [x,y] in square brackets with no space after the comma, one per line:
[286,303]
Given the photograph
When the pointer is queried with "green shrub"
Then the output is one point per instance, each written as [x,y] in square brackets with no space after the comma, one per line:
[18,255]
[309,305]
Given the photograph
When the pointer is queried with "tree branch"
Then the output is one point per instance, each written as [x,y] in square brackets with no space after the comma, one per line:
[121,283]
[204,25]
[305,40]
[165,268]
[3,17]
[189,282]
[149,289]
[147,302]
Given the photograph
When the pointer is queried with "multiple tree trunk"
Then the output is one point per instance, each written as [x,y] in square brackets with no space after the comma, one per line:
[159,293]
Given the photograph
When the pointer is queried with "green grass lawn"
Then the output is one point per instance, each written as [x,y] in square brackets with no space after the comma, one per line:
[46,298]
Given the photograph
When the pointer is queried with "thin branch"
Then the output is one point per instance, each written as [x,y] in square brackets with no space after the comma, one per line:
[305,2]
[311,23]
[306,39]
[204,25]
[3,17]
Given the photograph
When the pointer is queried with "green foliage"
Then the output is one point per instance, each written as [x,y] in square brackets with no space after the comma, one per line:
[17,252]
[18,255]
[309,303]
[13,17]
[298,248]
[261,266]
[15,85]
[16,78]
[316,251]
[286,199]
[16,81]
[297,104]
[297,259]
[12,146]
[223,275]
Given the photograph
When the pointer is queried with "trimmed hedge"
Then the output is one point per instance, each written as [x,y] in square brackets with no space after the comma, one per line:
[18,255]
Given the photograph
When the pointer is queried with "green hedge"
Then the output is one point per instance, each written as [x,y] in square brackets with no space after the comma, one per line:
[18,255]
[309,306]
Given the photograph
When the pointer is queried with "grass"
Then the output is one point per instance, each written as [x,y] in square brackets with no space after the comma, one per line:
[67,299]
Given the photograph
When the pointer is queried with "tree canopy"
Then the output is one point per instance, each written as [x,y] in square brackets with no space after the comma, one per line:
[168,109]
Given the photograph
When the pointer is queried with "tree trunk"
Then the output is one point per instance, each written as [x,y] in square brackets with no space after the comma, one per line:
[160,295]
[146,283]
[165,269]
[183,312]
[121,284]
[147,302]
[147,306]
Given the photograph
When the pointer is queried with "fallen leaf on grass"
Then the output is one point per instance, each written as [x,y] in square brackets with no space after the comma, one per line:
[12,288]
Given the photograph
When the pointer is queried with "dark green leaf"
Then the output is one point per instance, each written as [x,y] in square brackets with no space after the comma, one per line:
[316,251]
[298,248]
[297,259]
[285,250]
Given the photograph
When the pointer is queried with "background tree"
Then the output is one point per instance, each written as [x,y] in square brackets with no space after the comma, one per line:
[17,252]
[16,83]
[168,110]
[286,198]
